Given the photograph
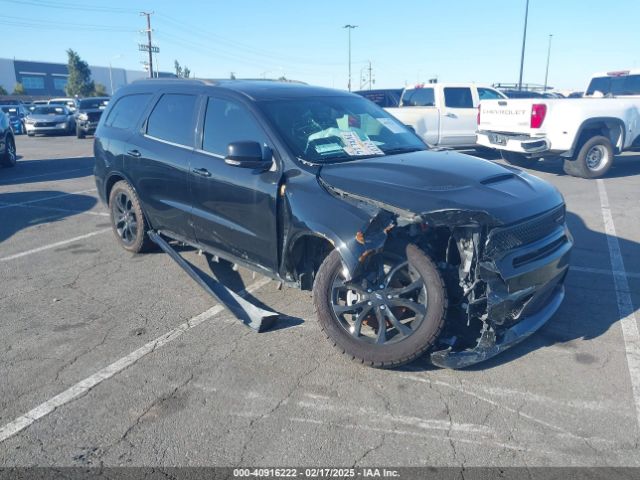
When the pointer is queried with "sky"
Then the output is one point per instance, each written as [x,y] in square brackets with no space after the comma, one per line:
[406,42]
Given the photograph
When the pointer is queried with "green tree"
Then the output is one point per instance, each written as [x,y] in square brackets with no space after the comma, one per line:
[19,89]
[181,72]
[186,73]
[79,81]
[3,91]
[100,90]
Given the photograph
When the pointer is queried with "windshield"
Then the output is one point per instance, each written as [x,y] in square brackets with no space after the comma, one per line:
[93,104]
[49,111]
[621,85]
[326,129]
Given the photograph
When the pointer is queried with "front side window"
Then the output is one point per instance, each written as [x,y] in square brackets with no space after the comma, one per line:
[127,110]
[458,97]
[420,97]
[172,119]
[325,128]
[226,122]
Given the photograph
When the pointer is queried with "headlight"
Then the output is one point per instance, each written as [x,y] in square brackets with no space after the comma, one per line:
[30,121]
[62,125]
[83,116]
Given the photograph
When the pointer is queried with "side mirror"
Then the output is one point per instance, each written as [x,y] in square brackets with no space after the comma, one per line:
[246,155]
[410,127]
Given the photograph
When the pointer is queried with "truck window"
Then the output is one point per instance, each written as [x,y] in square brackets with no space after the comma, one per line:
[489,94]
[226,121]
[458,97]
[622,85]
[127,111]
[172,119]
[419,97]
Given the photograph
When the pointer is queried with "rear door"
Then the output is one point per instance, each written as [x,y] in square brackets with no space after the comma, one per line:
[157,159]
[234,209]
[418,109]
[459,117]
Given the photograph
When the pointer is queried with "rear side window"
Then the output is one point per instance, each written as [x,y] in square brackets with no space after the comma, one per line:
[420,97]
[622,85]
[227,121]
[458,97]
[172,119]
[127,111]
[488,94]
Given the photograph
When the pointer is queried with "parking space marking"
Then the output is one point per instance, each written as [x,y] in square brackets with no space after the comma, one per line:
[9,181]
[53,245]
[603,271]
[83,386]
[628,321]
[66,210]
[36,200]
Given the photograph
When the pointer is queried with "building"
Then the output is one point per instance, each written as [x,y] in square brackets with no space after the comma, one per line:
[44,79]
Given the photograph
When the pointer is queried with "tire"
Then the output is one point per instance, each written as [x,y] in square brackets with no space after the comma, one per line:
[594,159]
[9,157]
[30,134]
[396,349]
[127,219]
[79,133]
[517,159]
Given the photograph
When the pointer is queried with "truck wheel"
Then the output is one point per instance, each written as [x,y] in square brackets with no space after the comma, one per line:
[390,315]
[79,133]
[10,157]
[517,159]
[594,159]
[127,219]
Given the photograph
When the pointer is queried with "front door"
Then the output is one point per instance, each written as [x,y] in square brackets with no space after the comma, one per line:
[234,209]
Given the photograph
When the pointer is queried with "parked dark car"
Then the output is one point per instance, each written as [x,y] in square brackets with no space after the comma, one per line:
[16,114]
[88,114]
[8,155]
[386,98]
[407,250]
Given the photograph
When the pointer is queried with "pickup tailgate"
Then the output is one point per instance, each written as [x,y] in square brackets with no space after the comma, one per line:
[508,116]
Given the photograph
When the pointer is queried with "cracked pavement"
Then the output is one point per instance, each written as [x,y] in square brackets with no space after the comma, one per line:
[220,394]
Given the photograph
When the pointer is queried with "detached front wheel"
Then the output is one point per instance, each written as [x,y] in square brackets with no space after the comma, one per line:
[390,315]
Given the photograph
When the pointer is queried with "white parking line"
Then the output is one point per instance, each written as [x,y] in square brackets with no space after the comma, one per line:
[44,207]
[604,271]
[109,371]
[57,172]
[626,310]
[60,195]
[53,245]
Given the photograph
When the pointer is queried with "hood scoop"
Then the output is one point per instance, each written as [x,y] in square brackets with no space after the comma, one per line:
[503,177]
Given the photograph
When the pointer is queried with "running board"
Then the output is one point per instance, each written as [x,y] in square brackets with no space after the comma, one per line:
[251,315]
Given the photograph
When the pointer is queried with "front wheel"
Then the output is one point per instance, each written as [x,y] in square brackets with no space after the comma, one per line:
[517,159]
[127,220]
[594,159]
[79,132]
[10,157]
[390,315]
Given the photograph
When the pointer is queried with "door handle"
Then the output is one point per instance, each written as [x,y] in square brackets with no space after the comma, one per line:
[451,115]
[203,172]
[134,153]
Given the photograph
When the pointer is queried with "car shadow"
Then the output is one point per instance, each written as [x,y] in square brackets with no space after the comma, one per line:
[585,314]
[52,169]
[28,216]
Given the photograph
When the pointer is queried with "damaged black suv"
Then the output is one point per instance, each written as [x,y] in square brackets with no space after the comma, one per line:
[408,251]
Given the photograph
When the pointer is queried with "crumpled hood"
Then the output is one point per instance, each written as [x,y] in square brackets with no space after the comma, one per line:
[428,181]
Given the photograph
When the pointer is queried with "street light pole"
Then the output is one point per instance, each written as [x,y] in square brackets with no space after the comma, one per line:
[546,74]
[524,41]
[349,28]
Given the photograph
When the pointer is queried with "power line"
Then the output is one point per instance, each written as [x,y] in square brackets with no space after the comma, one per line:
[69,6]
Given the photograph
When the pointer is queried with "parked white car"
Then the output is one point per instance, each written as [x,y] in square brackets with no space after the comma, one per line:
[587,132]
[443,114]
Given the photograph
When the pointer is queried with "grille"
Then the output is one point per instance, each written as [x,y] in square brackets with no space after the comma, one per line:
[94,116]
[44,124]
[508,238]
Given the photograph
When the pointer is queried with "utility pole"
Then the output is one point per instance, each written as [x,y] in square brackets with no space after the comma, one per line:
[148,15]
[349,28]
[546,74]
[370,80]
[524,41]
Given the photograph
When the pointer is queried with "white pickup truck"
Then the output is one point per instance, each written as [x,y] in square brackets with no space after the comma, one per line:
[443,114]
[586,132]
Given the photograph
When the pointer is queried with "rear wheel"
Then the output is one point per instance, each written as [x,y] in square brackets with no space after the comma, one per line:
[594,159]
[518,159]
[390,315]
[10,157]
[127,219]
[79,132]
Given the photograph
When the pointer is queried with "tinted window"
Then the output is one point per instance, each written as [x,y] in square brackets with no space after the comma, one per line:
[227,121]
[382,98]
[127,111]
[420,97]
[172,119]
[488,94]
[622,85]
[458,97]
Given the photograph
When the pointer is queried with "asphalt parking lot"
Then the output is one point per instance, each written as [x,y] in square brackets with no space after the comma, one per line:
[112,359]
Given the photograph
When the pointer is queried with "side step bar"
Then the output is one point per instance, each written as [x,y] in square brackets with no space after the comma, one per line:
[255,317]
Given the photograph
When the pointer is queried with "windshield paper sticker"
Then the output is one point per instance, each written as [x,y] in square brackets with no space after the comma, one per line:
[328,148]
[356,147]
[391,125]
